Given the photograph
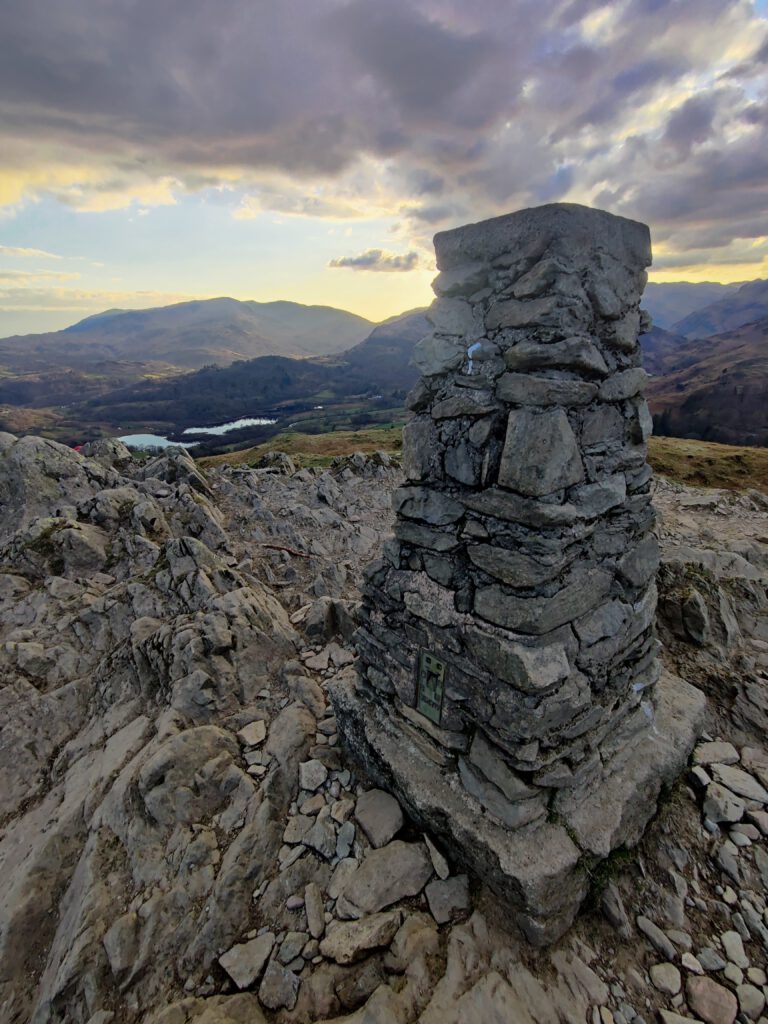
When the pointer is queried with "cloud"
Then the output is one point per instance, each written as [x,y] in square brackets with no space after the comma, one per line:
[378,259]
[25,276]
[82,300]
[426,112]
[21,251]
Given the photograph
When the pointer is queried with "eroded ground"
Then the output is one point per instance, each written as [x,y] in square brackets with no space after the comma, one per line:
[181,838]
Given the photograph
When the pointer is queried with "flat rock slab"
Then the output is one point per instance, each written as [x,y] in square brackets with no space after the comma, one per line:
[389,874]
[739,782]
[542,894]
[616,812]
[245,962]
[715,753]
[379,816]
[350,941]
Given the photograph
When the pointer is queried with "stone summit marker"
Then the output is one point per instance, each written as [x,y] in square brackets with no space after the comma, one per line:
[508,689]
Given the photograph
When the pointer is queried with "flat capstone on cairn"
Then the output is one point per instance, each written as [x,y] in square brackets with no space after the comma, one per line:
[508,688]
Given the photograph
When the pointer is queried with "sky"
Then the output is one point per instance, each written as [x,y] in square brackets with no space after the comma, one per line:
[157,150]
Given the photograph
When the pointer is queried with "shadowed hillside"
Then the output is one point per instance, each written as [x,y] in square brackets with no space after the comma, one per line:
[189,335]
[716,388]
[747,304]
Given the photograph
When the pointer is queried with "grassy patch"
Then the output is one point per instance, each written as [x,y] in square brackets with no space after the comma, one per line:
[697,463]
[704,464]
[316,449]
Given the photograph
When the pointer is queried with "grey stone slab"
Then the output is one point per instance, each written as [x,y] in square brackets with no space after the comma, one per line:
[527,389]
[541,454]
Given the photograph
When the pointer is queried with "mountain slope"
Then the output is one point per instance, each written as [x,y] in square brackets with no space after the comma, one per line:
[190,335]
[660,349]
[270,384]
[746,305]
[669,302]
[718,388]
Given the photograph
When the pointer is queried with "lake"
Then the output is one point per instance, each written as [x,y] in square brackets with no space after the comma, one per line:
[157,441]
[153,441]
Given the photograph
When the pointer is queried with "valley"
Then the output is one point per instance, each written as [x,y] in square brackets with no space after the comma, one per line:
[230,366]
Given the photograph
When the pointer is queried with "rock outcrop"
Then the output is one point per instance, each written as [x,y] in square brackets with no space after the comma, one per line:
[183,839]
[508,660]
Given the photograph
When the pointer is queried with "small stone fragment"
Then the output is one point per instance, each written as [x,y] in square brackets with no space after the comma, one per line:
[245,961]
[389,874]
[448,899]
[666,978]
[253,734]
[613,907]
[344,840]
[321,838]
[740,782]
[312,774]
[720,804]
[733,974]
[279,987]
[710,960]
[715,753]
[439,863]
[656,937]
[734,949]
[291,947]
[315,909]
[379,815]
[751,1001]
[691,963]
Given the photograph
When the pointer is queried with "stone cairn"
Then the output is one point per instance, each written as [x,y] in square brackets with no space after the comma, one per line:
[508,669]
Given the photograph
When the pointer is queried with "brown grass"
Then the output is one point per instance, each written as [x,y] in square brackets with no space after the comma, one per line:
[316,449]
[696,463]
[703,464]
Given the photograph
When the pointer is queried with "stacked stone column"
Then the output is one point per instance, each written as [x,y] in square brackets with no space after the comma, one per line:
[507,651]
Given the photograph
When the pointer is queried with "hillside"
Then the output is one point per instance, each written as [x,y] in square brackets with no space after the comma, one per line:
[716,388]
[189,335]
[708,387]
[378,369]
[660,349]
[747,304]
[671,301]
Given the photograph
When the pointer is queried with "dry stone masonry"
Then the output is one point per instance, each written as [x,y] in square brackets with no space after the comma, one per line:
[508,687]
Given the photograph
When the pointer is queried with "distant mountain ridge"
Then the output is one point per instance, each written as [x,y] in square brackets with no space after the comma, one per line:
[746,305]
[97,375]
[271,384]
[671,301]
[190,335]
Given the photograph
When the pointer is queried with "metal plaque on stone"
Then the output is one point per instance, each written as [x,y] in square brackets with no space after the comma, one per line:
[430,686]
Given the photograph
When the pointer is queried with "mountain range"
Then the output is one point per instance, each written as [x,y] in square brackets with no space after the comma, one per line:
[190,335]
[211,361]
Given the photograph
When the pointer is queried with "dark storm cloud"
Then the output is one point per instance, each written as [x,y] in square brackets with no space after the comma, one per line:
[656,107]
[691,123]
[377,259]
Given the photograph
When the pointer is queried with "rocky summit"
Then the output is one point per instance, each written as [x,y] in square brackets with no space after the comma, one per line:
[185,839]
